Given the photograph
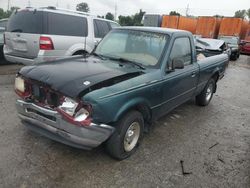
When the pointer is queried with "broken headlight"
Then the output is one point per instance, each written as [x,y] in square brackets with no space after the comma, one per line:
[75,112]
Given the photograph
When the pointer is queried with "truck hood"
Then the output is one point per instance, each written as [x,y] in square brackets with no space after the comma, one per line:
[73,76]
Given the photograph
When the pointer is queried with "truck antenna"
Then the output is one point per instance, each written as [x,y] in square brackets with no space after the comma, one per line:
[85,44]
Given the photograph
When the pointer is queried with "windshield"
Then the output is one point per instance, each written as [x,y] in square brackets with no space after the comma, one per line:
[138,46]
[230,40]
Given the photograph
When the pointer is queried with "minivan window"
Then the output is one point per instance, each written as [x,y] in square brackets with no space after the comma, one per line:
[25,21]
[101,28]
[60,24]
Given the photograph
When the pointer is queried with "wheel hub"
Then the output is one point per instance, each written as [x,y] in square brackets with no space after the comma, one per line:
[209,92]
[132,136]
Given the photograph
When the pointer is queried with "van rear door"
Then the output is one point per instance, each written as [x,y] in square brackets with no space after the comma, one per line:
[23,33]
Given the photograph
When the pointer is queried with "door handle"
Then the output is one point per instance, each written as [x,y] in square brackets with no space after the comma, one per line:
[193,74]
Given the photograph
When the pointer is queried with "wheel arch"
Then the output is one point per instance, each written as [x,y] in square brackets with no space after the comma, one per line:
[139,105]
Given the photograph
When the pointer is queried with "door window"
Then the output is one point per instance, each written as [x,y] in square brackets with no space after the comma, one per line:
[181,50]
[60,24]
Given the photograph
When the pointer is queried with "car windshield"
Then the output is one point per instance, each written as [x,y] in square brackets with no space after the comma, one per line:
[230,40]
[141,47]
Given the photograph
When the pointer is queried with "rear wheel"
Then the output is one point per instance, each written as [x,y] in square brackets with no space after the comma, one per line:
[238,55]
[206,95]
[127,136]
[81,52]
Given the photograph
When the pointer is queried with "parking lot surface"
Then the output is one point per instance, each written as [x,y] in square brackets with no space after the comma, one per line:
[213,143]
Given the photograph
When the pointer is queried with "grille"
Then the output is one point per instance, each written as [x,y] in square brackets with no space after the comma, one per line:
[45,96]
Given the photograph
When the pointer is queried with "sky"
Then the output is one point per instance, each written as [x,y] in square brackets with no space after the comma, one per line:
[129,7]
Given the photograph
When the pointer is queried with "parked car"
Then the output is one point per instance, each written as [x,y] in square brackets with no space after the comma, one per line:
[3,23]
[48,33]
[211,47]
[233,43]
[245,47]
[135,76]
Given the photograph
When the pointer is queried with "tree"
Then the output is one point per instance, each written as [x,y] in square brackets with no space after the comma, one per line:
[109,16]
[138,18]
[240,14]
[248,13]
[134,20]
[83,7]
[6,14]
[174,13]
[218,16]
[126,21]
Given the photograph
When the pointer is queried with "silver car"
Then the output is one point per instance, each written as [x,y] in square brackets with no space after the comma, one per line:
[45,34]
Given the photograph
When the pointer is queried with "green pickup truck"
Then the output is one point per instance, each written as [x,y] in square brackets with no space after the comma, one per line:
[134,76]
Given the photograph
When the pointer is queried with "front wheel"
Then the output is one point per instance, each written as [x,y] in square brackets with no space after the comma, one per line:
[127,136]
[206,95]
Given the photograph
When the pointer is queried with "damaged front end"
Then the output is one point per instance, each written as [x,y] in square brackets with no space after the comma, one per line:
[57,116]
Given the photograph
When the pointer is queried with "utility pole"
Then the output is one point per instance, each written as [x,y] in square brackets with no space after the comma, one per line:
[115,10]
[187,10]
[8,5]
[29,4]
[57,4]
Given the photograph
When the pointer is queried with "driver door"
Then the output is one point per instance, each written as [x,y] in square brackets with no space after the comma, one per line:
[179,84]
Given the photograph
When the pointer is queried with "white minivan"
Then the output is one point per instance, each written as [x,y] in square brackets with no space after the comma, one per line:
[44,34]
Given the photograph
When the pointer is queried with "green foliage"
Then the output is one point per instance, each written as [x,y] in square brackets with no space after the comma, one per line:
[174,13]
[240,14]
[218,16]
[138,18]
[248,13]
[109,16]
[83,7]
[134,20]
[6,14]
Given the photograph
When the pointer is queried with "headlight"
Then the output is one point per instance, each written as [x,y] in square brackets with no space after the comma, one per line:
[68,106]
[19,84]
[22,88]
[74,112]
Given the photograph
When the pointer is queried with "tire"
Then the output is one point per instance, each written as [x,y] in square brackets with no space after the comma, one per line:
[238,55]
[80,53]
[233,57]
[118,146]
[206,95]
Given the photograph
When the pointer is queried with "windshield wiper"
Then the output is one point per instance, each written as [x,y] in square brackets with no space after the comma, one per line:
[99,55]
[128,61]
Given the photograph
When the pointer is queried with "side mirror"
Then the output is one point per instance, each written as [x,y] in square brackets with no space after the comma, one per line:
[178,63]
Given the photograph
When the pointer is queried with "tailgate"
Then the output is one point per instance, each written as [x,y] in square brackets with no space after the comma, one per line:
[22,44]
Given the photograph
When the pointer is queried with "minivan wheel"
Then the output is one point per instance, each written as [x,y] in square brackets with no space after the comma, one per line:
[81,52]
[206,95]
[127,136]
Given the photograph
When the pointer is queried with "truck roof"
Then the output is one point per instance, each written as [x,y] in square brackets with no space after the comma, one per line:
[168,31]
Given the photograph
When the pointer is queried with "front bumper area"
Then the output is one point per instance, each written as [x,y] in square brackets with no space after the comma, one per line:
[50,123]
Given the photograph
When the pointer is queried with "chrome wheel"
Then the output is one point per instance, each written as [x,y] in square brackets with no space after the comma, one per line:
[132,136]
[209,92]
